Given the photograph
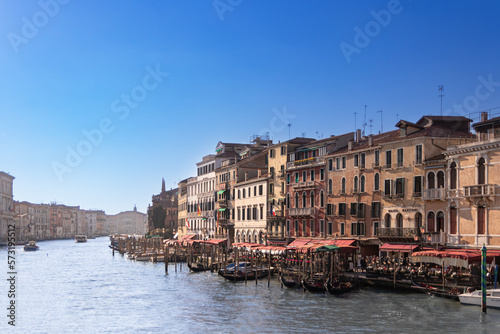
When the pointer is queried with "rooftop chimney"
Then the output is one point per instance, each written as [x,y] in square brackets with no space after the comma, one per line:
[349,144]
[246,176]
[358,135]
[484,116]
[259,173]
[370,140]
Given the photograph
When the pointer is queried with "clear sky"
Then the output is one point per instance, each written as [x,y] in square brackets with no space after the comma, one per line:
[101,99]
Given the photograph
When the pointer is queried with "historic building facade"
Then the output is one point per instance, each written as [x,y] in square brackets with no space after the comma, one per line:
[473,199]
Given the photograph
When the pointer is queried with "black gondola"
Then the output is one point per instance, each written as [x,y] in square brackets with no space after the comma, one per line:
[438,292]
[197,267]
[290,282]
[314,284]
[337,287]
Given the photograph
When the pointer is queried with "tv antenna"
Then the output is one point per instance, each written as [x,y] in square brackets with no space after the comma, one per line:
[289,126]
[364,122]
[381,122]
[371,124]
[441,90]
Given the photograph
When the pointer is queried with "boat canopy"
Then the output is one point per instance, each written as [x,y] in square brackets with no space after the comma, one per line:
[328,248]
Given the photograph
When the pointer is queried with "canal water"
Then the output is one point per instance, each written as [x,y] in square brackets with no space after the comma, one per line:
[69,287]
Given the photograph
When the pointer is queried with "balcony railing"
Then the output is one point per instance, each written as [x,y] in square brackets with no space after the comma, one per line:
[302,212]
[433,194]
[403,232]
[375,165]
[299,185]
[479,190]
[305,162]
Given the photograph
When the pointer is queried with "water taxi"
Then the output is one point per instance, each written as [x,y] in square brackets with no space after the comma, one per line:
[474,298]
[31,246]
[80,238]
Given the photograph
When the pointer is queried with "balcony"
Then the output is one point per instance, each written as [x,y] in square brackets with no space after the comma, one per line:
[302,212]
[387,166]
[375,165]
[479,191]
[277,216]
[305,162]
[437,194]
[398,232]
[301,185]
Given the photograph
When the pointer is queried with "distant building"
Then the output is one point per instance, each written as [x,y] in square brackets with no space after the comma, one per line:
[127,222]
[164,205]
[6,205]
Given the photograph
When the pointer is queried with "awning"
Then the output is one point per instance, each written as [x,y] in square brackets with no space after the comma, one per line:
[343,242]
[222,209]
[299,242]
[405,248]
[221,191]
[327,248]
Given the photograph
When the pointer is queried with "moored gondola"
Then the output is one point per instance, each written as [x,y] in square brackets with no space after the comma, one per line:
[337,287]
[197,267]
[290,282]
[315,284]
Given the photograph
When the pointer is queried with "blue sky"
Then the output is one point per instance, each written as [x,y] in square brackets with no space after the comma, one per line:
[157,84]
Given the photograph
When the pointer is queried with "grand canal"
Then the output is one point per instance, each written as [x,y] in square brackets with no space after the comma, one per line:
[67,287]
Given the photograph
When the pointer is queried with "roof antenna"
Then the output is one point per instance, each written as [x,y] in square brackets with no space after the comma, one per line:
[371,125]
[381,122]
[364,122]
[289,126]
[441,90]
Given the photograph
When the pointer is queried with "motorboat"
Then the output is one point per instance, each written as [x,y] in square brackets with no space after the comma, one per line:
[31,246]
[80,238]
[474,298]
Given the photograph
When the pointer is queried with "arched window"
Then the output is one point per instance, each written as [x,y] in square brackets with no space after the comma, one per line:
[440,179]
[481,175]
[418,220]
[440,221]
[342,186]
[453,175]
[387,220]
[399,221]
[322,198]
[430,180]
[304,199]
[355,186]
[362,184]
[430,222]
[330,186]
[312,198]
[296,200]
[376,182]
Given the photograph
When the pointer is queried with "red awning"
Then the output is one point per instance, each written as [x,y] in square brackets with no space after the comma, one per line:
[343,242]
[299,242]
[397,247]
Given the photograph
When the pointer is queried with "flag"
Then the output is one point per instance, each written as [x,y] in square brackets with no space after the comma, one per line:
[199,211]
[187,223]
[274,211]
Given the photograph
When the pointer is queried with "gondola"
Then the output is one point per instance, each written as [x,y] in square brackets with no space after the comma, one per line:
[243,272]
[438,292]
[337,287]
[290,282]
[197,267]
[314,284]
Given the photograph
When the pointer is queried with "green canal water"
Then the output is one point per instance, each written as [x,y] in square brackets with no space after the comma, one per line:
[69,287]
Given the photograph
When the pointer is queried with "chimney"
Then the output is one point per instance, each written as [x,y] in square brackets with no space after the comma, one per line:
[259,173]
[349,144]
[370,140]
[246,176]
[358,135]
[484,116]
